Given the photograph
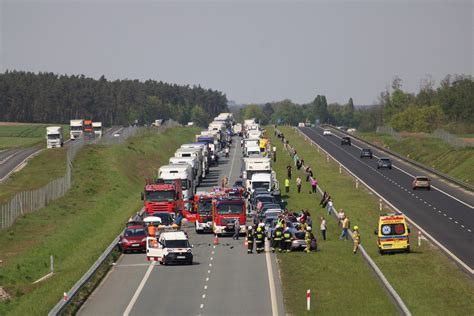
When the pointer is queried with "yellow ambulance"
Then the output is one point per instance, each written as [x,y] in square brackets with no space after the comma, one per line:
[392,233]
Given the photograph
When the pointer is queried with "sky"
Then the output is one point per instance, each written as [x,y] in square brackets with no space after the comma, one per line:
[253,51]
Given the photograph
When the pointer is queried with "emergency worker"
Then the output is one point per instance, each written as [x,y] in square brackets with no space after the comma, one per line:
[277,237]
[356,238]
[250,239]
[287,239]
[307,238]
[151,230]
[259,240]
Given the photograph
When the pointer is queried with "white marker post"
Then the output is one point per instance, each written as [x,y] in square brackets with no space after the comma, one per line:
[308,300]
[340,168]
[419,238]
[380,205]
[327,158]
[357,183]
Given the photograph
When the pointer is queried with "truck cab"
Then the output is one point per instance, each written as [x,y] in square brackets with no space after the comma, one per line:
[169,247]
[203,208]
[253,165]
[204,152]
[75,129]
[225,212]
[97,128]
[54,137]
[183,173]
[162,197]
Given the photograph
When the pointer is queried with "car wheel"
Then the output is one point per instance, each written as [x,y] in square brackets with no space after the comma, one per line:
[381,252]
[190,262]
[414,188]
[429,188]
[408,249]
[390,168]
[378,167]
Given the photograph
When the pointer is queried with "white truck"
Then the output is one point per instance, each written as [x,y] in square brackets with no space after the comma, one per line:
[205,155]
[220,128]
[217,139]
[169,247]
[192,152]
[248,123]
[252,151]
[181,172]
[54,137]
[265,180]
[76,129]
[237,129]
[191,161]
[255,165]
[97,128]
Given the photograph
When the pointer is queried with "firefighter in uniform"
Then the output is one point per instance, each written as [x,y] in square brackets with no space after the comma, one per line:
[250,239]
[356,238]
[277,235]
[259,240]
[287,239]
[307,238]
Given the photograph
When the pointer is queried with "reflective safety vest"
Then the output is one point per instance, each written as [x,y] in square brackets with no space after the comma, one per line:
[307,236]
[356,236]
[287,183]
[250,237]
[287,237]
[259,236]
[277,235]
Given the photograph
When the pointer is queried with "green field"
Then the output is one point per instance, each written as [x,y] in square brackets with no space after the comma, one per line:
[431,152]
[427,281]
[77,228]
[25,135]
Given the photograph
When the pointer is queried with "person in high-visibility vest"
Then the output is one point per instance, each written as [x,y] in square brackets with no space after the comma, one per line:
[151,230]
[307,238]
[259,240]
[287,239]
[277,236]
[287,185]
[250,239]
[356,238]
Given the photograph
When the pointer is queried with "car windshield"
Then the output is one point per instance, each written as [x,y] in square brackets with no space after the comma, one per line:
[53,136]
[264,184]
[156,196]
[165,218]
[76,128]
[184,183]
[238,183]
[134,232]
[393,229]
[366,151]
[176,243]
[422,179]
[224,209]
[205,207]
[266,199]
[300,235]
[385,160]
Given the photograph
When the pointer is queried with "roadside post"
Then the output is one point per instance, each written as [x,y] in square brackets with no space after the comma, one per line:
[380,205]
[419,238]
[308,299]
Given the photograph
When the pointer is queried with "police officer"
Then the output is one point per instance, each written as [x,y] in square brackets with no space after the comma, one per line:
[356,238]
[287,239]
[277,236]
[259,240]
[307,238]
[250,239]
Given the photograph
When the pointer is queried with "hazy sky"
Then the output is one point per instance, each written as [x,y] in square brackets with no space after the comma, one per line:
[254,51]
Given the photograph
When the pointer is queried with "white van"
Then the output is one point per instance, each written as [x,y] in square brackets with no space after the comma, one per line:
[252,151]
[170,247]
[182,172]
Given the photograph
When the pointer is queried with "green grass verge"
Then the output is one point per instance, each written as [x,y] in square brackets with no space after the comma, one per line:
[77,228]
[432,152]
[26,135]
[428,282]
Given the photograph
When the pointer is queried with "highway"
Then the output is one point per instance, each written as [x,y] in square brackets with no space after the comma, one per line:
[10,159]
[224,279]
[445,212]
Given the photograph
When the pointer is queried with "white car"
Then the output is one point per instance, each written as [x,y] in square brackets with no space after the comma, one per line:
[327,132]
[116,134]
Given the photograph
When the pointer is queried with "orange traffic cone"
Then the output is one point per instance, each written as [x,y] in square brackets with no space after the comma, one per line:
[216,240]
[246,243]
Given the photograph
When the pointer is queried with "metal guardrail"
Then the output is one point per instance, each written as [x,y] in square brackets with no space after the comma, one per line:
[411,161]
[59,308]
[386,284]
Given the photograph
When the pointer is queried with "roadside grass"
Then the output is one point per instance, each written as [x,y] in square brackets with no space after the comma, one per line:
[26,135]
[431,152]
[39,171]
[427,281]
[78,227]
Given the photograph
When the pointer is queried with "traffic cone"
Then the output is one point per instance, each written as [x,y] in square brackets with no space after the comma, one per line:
[246,243]
[216,240]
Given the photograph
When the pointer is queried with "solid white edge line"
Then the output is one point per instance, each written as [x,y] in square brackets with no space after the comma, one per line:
[16,167]
[271,281]
[464,265]
[139,290]
[409,174]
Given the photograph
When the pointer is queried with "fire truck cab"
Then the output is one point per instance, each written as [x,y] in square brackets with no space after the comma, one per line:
[225,211]
[162,197]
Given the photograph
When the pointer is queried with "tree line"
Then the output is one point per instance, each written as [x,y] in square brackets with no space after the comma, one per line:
[51,98]
[449,106]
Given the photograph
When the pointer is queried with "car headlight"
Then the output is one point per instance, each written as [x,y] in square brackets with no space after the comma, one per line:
[189,250]
[125,240]
[144,239]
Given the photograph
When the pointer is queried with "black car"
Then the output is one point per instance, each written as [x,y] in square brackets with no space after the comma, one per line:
[384,163]
[366,153]
[346,140]
[238,183]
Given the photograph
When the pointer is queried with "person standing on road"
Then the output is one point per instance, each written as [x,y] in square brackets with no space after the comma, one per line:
[298,184]
[236,229]
[345,227]
[259,240]
[278,234]
[250,239]
[356,238]
[178,219]
[224,181]
[287,239]
[323,228]
[314,185]
[287,185]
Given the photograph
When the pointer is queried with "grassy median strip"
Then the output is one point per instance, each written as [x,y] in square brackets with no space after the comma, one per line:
[16,135]
[427,281]
[432,152]
[77,228]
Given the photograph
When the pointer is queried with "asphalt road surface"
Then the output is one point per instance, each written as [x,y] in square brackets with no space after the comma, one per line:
[224,279]
[10,159]
[445,212]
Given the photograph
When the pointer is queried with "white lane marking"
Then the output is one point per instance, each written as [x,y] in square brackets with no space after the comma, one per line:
[462,226]
[271,282]
[133,265]
[139,289]
[202,305]
[212,258]
[213,252]
[207,279]
[409,174]
[469,230]
[204,296]
[214,247]
[205,287]
[208,271]
[210,264]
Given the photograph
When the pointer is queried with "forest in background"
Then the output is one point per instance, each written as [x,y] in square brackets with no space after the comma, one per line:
[51,98]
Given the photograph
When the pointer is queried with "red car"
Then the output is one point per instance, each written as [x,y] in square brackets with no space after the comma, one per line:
[133,239]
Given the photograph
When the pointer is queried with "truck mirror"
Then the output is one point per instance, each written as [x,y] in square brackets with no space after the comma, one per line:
[408,229]
[143,196]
